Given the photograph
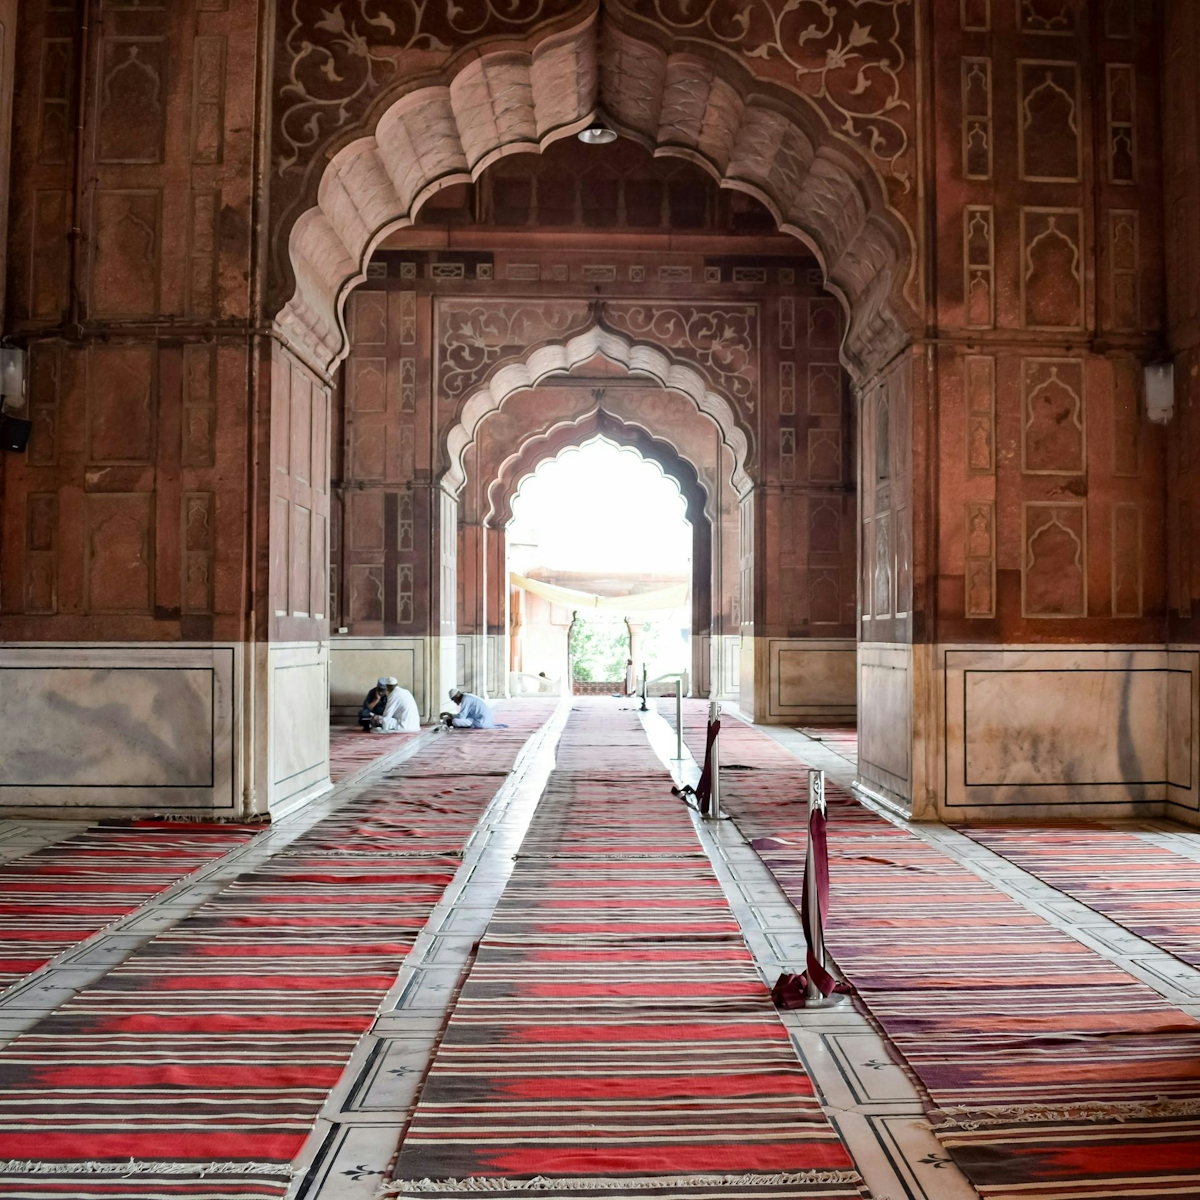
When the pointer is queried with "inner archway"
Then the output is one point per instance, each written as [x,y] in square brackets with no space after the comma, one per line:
[600,562]
[760,342]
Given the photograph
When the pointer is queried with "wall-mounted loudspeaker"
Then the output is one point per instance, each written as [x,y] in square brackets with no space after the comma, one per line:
[14,433]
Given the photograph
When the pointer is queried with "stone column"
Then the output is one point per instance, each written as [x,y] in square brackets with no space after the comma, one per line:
[496,614]
[164,541]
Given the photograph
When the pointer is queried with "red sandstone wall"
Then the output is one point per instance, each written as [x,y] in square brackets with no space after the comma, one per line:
[127,516]
[1050,512]
[778,365]
[1181,128]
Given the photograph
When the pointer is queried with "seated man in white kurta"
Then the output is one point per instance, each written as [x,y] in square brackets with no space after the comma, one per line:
[400,714]
[473,712]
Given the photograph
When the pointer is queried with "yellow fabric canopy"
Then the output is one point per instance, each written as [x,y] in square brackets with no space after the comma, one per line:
[674,596]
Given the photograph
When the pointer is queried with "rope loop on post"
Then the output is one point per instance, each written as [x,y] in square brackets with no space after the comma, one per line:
[816,984]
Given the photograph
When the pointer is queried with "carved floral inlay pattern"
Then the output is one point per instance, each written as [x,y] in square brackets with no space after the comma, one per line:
[476,336]
[337,56]
[847,55]
[721,339]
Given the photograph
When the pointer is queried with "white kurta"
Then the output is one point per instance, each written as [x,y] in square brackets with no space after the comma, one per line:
[401,714]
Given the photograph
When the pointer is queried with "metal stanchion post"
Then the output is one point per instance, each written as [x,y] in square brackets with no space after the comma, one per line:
[678,720]
[812,901]
[714,795]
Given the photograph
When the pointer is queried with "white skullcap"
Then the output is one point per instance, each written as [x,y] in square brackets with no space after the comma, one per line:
[382,681]
[456,691]
[392,681]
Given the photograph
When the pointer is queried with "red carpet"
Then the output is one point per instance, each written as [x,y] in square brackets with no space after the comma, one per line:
[350,749]
[613,1034]
[197,1067]
[1051,1072]
[57,896]
[1151,891]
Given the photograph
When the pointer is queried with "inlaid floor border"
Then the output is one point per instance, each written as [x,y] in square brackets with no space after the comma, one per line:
[868,1098]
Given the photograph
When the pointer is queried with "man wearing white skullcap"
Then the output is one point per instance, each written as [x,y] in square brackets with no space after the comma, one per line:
[473,712]
[400,714]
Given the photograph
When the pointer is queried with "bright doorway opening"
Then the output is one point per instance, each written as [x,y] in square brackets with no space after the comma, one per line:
[600,561]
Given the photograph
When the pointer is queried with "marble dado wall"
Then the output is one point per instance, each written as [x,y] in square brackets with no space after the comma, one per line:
[1027,732]
[429,328]
[105,729]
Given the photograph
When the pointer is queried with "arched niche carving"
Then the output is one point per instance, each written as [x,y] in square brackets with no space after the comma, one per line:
[752,136]
[559,358]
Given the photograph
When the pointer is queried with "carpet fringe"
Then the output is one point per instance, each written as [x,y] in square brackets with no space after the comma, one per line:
[370,854]
[541,1183]
[967,1119]
[17,1166]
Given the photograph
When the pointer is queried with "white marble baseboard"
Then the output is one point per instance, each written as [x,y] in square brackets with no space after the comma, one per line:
[1057,731]
[114,729]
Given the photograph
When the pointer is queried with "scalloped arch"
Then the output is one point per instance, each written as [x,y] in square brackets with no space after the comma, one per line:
[557,358]
[574,433]
[588,439]
[770,143]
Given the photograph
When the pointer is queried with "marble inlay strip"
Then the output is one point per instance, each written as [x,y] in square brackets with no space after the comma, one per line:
[350,1150]
[868,1098]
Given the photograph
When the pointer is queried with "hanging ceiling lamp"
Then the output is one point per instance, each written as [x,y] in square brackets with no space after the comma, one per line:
[597,133]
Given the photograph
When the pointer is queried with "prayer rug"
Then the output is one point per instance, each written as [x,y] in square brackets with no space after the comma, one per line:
[351,749]
[197,1067]
[1148,889]
[613,1037]
[56,897]
[1050,1072]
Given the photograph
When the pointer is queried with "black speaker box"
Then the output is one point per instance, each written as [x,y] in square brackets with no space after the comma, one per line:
[14,433]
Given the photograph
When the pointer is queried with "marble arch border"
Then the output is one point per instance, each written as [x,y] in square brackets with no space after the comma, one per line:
[750,135]
[573,433]
[558,358]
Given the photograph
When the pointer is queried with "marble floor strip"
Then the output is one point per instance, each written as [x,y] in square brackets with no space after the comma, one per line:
[868,1098]
[349,1153]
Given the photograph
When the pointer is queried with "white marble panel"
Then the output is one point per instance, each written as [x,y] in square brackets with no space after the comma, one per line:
[702,663]
[1183,734]
[811,678]
[355,663]
[117,729]
[299,720]
[1066,730]
[885,718]
[497,651]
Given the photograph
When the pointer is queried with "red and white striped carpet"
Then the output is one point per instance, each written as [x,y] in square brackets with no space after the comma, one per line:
[56,897]
[1051,1072]
[1150,890]
[351,749]
[197,1067]
[613,1036]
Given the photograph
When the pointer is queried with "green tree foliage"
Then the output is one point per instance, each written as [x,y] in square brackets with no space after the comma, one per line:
[599,648]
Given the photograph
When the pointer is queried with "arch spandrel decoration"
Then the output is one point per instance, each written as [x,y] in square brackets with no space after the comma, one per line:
[558,358]
[768,142]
